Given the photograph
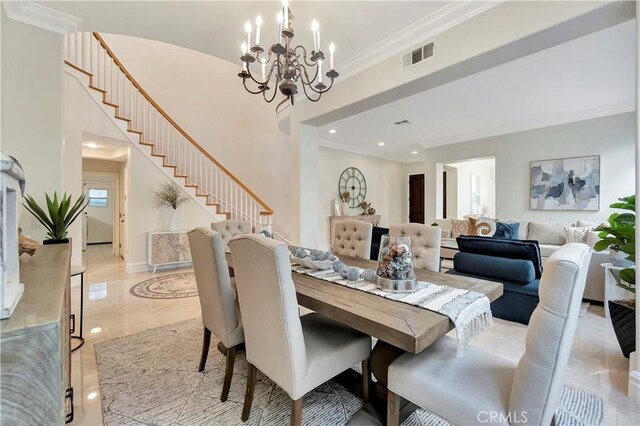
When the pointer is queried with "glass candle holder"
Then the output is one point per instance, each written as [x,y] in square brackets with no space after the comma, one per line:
[395,265]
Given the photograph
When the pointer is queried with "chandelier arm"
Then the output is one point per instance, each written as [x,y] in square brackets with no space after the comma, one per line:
[259,83]
[321,91]
[304,54]
[244,83]
[309,97]
[264,94]
[309,82]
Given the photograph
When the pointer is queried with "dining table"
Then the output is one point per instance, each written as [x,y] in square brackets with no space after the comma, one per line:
[397,326]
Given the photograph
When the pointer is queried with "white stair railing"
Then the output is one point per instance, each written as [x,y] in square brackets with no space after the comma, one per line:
[89,54]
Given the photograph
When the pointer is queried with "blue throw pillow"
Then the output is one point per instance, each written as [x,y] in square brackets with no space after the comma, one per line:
[507,231]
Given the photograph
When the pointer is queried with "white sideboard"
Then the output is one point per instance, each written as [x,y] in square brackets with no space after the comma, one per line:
[168,248]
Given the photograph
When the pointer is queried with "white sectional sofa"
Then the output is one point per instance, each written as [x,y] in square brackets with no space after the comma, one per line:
[550,237]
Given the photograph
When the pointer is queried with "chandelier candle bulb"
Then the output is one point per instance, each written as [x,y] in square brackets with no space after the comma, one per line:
[263,62]
[258,25]
[332,48]
[247,28]
[314,29]
[320,71]
[285,13]
[279,34]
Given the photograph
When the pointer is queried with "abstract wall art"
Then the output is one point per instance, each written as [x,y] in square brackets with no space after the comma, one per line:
[566,184]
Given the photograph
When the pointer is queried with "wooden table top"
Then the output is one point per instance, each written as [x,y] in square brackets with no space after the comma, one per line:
[405,326]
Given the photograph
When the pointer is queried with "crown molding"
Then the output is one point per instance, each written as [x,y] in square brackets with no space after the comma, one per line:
[414,35]
[41,16]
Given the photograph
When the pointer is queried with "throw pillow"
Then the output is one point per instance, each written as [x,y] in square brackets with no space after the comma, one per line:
[548,232]
[576,234]
[592,238]
[509,231]
[482,227]
[459,227]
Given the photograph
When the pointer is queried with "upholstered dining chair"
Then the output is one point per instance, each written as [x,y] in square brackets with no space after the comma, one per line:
[220,312]
[425,243]
[352,237]
[297,353]
[484,388]
[230,228]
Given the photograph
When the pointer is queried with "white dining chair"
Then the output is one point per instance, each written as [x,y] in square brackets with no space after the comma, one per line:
[352,237]
[220,312]
[231,228]
[484,388]
[425,244]
[297,353]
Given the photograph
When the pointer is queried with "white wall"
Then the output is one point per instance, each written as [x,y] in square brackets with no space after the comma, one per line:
[32,111]
[140,174]
[462,192]
[204,95]
[387,187]
[610,137]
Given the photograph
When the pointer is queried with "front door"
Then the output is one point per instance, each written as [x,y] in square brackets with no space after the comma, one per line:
[99,212]
[416,198]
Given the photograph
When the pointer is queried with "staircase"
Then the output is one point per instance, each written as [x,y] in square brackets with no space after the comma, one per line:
[158,136]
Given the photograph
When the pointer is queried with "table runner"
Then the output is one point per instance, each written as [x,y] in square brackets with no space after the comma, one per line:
[469,311]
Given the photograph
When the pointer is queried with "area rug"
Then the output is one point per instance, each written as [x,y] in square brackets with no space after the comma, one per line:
[151,378]
[174,286]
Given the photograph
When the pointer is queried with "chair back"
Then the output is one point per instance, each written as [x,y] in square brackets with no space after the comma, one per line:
[538,379]
[217,301]
[269,307]
[352,238]
[231,228]
[425,243]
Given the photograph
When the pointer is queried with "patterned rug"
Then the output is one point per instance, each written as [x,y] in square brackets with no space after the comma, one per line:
[174,286]
[151,378]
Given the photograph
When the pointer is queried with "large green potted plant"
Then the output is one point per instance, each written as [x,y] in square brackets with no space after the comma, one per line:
[619,235]
[58,216]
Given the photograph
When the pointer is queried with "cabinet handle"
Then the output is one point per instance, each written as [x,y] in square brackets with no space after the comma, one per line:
[72,327]
[68,399]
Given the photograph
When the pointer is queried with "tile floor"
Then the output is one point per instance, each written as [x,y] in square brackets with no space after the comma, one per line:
[596,364]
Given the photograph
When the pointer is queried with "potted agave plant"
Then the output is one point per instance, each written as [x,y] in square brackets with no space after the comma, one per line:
[620,236]
[59,215]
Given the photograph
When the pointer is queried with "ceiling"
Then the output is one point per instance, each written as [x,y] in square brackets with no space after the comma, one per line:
[585,78]
[217,27]
[103,147]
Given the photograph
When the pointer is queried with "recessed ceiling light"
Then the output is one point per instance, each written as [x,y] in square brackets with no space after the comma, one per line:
[91,145]
[332,131]
[380,143]
[96,330]
[414,152]
[92,395]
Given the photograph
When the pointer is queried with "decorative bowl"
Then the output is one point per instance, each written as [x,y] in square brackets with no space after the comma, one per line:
[308,262]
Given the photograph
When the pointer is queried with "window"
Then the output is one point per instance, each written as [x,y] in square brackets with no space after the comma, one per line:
[97,197]
[475,194]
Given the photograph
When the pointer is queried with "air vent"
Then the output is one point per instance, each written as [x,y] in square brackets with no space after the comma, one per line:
[402,123]
[417,55]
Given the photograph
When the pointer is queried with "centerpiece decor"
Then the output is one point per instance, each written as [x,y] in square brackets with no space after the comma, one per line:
[59,215]
[620,238]
[395,265]
[283,65]
[171,196]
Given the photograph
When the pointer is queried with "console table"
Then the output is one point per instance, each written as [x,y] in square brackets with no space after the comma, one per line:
[35,361]
[168,248]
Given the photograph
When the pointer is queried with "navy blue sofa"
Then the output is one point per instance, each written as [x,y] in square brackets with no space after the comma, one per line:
[514,263]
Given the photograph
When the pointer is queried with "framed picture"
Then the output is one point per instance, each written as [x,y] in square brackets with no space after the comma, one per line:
[565,184]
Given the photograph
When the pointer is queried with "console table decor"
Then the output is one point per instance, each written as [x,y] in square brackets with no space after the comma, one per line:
[168,248]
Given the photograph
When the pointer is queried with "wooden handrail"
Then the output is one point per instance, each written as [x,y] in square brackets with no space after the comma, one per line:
[268,211]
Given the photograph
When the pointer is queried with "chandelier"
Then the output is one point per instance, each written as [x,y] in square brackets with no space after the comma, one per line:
[284,66]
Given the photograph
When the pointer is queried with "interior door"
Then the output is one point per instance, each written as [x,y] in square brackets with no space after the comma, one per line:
[99,212]
[416,198]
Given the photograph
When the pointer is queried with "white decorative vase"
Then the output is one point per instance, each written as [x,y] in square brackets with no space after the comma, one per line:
[174,220]
[346,210]
[619,258]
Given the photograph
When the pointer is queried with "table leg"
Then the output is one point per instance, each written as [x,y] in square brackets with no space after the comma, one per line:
[608,279]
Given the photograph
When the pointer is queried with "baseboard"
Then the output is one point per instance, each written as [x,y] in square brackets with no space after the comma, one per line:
[135,268]
[633,390]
